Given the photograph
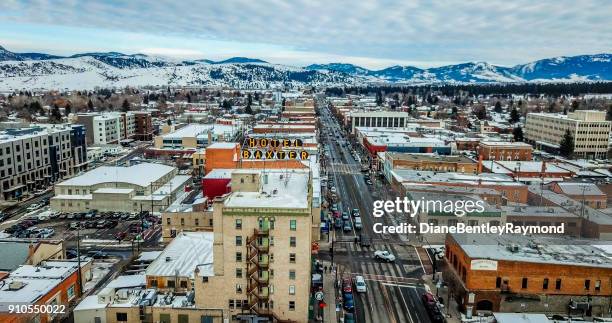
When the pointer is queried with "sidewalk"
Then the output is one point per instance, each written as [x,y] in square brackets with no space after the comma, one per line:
[329,312]
[450,306]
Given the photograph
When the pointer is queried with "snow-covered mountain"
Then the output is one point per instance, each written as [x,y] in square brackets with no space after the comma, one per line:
[112,69]
[577,68]
[90,71]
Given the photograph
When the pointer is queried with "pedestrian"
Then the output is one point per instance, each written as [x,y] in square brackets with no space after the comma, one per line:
[325,269]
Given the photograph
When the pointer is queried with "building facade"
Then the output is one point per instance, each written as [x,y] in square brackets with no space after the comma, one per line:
[589,128]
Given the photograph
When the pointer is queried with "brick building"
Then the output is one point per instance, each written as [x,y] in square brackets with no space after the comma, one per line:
[516,273]
[497,150]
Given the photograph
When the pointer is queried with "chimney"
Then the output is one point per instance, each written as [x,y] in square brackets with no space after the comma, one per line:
[479,163]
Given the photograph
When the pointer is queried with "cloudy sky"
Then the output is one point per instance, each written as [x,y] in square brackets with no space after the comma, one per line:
[373,34]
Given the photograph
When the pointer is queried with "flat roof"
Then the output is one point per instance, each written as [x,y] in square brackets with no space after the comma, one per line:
[200,130]
[540,211]
[186,252]
[140,174]
[535,249]
[283,189]
[516,144]
[430,157]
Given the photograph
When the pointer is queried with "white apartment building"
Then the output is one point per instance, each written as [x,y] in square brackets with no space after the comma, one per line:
[108,128]
[31,158]
[387,119]
[589,128]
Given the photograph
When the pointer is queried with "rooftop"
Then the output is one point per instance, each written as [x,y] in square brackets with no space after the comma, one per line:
[200,131]
[140,174]
[186,252]
[429,158]
[504,144]
[540,249]
[286,189]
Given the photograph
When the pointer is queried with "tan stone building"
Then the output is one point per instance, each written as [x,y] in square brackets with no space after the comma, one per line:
[589,128]
[459,164]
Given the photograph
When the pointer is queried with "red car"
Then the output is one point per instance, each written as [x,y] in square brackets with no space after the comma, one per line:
[347,286]
[336,214]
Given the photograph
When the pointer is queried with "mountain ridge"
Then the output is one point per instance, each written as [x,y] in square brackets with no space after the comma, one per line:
[109,69]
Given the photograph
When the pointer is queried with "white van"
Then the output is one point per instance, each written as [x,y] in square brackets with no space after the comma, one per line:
[360,284]
[358,224]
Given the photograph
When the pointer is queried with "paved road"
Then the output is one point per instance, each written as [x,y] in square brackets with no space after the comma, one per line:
[394,289]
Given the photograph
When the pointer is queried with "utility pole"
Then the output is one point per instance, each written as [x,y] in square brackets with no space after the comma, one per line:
[79,261]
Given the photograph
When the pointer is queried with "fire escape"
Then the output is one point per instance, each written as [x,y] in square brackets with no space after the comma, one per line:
[258,274]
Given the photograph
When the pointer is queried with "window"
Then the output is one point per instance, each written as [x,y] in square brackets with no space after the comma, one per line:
[183,284]
[231,303]
[292,242]
[183,318]
[524,283]
[238,272]
[598,285]
[292,305]
[238,224]
[292,274]
[70,292]
[197,222]
[238,289]
[121,317]
[292,225]
[239,240]
[164,318]
[292,258]
[205,279]
[182,221]
[168,221]
[545,283]
[558,284]
[171,284]
[587,284]
[498,282]
[291,289]
[238,256]
[154,282]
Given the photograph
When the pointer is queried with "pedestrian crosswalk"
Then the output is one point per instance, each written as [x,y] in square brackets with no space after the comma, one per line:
[339,168]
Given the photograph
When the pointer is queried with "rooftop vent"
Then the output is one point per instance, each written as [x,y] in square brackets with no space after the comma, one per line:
[168,259]
[16,285]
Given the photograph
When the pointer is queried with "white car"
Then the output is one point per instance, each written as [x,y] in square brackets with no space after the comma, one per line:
[360,284]
[333,189]
[33,207]
[384,255]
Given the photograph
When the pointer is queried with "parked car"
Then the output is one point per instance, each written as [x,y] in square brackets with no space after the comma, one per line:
[360,285]
[3,216]
[384,255]
[120,235]
[74,225]
[348,302]
[355,212]
[96,254]
[345,216]
[358,224]
[369,182]
[346,227]
[347,287]
[101,224]
[338,223]
[46,233]
[349,318]
[33,207]
[71,253]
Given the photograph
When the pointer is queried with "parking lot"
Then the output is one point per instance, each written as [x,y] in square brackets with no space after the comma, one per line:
[46,224]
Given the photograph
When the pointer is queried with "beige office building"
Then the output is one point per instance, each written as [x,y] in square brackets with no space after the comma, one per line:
[262,246]
[589,128]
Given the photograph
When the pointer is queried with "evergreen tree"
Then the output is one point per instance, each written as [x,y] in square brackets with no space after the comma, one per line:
[67,109]
[518,134]
[481,113]
[575,105]
[551,107]
[498,107]
[379,98]
[125,106]
[515,116]
[248,109]
[90,105]
[566,146]
[56,116]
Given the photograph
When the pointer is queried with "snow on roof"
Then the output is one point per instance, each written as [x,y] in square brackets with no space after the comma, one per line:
[128,281]
[222,145]
[89,303]
[186,252]
[200,131]
[520,318]
[110,190]
[515,144]
[149,255]
[32,290]
[580,188]
[534,249]
[140,174]
[54,270]
[219,173]
[280,189]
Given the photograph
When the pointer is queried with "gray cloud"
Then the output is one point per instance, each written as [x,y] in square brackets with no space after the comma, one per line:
[503,32]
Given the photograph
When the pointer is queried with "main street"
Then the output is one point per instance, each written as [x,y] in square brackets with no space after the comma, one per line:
[394,288]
